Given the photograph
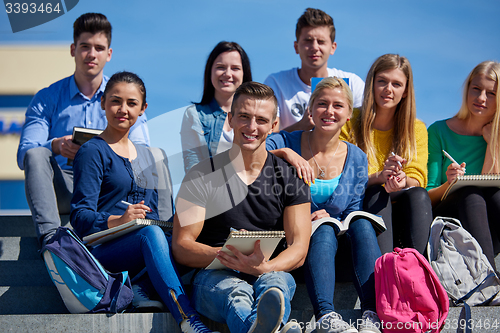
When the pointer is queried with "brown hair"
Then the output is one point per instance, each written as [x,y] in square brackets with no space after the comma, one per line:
[315,18]
[257,91]
[93,23]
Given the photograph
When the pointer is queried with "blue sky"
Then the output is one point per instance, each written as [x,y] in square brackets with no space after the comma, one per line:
[167,42]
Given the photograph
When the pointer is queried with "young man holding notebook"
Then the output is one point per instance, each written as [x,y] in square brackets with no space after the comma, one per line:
[315,33]
[46,138]
[243,188]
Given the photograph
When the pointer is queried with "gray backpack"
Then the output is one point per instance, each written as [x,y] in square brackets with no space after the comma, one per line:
[460,264]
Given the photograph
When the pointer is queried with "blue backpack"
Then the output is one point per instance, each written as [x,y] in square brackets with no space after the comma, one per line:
[84,285]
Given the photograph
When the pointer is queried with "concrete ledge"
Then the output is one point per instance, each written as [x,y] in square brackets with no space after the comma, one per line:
[484,320]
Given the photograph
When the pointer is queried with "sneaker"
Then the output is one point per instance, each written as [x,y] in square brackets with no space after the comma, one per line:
[332,323]
[291,327]
[370,322]
[193,324]
[270,311]
[141,300]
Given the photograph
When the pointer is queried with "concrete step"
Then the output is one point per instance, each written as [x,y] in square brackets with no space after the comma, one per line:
[29,302]
[484,320]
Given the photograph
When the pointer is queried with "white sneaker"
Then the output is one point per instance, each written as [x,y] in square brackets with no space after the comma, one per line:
[193,324]
[291,327]
[332,323]
[370,323]
[141,300]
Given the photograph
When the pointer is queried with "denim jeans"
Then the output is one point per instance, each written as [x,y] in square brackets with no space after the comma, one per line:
[231,297]
[319,267]
[147,247]
[48,191]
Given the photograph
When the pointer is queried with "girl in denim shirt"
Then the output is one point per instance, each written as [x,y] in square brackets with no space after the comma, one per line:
[205,131]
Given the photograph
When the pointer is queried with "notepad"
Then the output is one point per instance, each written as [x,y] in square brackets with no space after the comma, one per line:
[492,180]
[244,241]
[115,232]
[376,220]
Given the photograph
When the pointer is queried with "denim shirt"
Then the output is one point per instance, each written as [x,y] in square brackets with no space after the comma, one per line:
[201,131]
[349,194]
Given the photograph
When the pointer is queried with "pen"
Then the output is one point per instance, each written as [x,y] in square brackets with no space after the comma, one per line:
[128,204]
[449,157]
[399,163]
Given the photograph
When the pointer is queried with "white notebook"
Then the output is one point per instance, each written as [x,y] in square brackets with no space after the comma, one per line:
[244,241]
[472,180]
[112,233]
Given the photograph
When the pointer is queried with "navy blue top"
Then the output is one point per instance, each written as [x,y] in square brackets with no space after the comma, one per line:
[102,179]
[349,194]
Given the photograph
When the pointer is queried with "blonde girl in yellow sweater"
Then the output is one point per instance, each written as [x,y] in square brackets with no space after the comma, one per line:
[387,130]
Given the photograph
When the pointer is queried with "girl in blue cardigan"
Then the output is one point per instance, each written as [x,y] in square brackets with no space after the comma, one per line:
[110,170]
[338,173]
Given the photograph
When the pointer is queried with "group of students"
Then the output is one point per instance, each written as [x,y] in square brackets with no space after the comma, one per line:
[353,146]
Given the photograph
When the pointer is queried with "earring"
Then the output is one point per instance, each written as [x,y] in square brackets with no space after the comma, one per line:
[348,119]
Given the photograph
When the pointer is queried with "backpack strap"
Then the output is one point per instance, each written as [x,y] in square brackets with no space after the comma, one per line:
[464,298]
[122,277]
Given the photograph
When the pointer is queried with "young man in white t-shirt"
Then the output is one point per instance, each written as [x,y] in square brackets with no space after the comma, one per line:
[315,33]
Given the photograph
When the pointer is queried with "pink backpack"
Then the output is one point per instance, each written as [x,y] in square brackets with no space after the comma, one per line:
[410,297]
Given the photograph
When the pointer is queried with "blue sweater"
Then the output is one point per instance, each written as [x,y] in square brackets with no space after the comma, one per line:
[349,194]
[102,179]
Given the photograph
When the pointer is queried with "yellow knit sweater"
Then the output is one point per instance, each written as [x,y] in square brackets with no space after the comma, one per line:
[382,140]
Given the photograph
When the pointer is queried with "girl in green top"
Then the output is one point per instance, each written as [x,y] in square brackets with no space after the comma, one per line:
[472,138]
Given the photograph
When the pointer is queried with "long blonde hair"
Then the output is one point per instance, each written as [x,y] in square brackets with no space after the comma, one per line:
[490,69]
[404,142]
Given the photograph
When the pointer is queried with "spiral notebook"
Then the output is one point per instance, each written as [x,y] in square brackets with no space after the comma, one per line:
[244,241]
[115,232]
[472,180]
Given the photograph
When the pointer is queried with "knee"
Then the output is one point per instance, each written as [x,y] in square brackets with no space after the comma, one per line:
[282,280]
[36,156]
[154,235]
[326,232]
[419,195]
[361,226]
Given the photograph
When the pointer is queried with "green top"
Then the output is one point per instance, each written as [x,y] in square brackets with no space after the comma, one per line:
[463,148]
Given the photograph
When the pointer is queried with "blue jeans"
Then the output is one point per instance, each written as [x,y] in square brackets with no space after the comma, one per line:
[48,191]
[319,267]
[231,297]
[147,247]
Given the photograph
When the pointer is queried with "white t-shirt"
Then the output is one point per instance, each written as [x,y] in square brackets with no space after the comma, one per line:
[293,94]
[226,140]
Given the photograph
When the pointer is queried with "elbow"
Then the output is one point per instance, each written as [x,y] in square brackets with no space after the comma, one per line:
[177,250]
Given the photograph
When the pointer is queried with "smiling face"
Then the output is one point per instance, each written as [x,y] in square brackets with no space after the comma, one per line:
[330,109]
[314,47]
[123,104]
[481,97]
[227,74]
[389,87]
[252,122]
[91,54]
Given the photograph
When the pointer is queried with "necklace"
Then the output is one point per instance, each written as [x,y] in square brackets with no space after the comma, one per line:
[322,172]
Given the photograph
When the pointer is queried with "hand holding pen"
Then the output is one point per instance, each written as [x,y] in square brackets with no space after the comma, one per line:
[454,169]
[135,211]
